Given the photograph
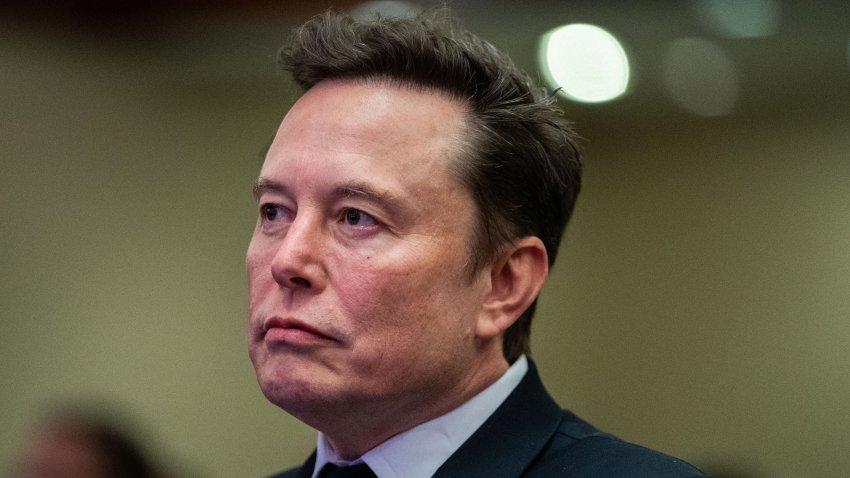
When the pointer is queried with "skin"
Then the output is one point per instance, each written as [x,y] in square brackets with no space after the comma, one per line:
[363,321]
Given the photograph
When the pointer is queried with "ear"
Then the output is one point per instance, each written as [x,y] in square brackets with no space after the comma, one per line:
[515,280]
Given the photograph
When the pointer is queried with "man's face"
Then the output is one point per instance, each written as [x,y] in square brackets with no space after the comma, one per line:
[359,294]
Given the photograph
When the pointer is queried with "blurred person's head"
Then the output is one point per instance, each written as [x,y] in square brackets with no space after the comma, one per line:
[72,445]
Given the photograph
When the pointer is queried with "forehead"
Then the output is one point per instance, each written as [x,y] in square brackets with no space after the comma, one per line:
[341,123]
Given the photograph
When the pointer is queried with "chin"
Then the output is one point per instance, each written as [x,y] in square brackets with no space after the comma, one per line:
[304,404]
[289,392]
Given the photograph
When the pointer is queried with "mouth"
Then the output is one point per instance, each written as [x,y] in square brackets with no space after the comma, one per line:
[280,331]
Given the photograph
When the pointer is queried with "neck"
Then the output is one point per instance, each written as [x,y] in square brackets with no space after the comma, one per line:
[358,429]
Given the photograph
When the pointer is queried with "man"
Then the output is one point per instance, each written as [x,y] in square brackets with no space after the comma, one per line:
[410,206]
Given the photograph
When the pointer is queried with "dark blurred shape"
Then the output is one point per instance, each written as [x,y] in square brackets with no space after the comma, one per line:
[132,19]
[74,443]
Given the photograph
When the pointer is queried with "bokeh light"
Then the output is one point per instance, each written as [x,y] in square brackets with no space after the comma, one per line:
[701,77]
[739,18]
[587,62]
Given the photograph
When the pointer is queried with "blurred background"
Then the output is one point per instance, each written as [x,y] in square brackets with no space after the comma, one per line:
[700,305]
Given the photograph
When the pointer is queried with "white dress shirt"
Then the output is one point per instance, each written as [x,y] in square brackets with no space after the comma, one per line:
[420,451]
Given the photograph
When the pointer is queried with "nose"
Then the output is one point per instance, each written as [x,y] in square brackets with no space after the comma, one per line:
[298,262]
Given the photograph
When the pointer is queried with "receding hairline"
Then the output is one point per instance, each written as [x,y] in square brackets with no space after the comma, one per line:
[390,80]
[462,144]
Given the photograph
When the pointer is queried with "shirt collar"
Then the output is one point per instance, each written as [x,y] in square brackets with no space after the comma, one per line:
[432,442]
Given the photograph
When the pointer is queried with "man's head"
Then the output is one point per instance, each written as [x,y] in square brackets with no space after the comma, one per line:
[410,205]
[518,155]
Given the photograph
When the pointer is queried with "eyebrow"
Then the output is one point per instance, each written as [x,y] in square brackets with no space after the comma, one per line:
[262,185]
[397,207]
[352,189]
[364,191]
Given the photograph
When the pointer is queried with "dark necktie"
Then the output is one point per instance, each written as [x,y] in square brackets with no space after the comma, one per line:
[355,471]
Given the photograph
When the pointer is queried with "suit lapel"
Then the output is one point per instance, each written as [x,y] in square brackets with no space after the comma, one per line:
[307,468]
[504,445]
[510,439]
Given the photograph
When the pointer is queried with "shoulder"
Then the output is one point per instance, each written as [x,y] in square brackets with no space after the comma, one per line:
[579,450]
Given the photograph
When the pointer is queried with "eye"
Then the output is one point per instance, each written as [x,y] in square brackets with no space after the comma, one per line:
[358,218]
[272,212]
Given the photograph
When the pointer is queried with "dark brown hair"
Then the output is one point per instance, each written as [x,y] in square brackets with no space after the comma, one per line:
[519,156]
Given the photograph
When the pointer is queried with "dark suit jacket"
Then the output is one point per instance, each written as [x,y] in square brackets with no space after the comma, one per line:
[529,436]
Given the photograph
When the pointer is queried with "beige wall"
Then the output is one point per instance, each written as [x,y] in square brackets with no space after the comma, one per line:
[700,304]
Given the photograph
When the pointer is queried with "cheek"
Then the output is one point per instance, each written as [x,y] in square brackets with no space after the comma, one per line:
[376,297]
[395,303]
[367,293]
[258,271]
